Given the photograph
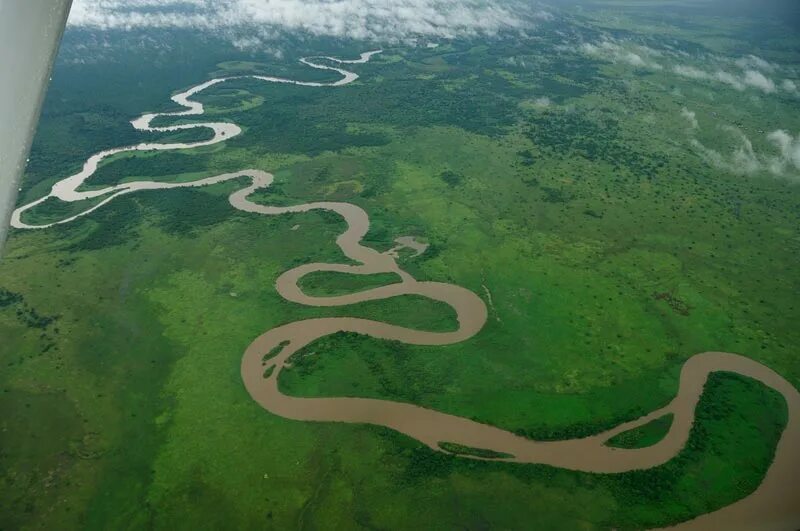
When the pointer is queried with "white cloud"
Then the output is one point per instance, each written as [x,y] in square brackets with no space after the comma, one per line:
[720,75]
[690,116]
[632,59]
[616,52]
[358,19]
[754,62]
[711,68]
[758,80]
[789,148]
[640,56]
[730,79]
[750,78]
[691,72]
[744,160]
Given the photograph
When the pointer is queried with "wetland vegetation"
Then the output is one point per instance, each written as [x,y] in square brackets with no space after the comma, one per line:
[560,186]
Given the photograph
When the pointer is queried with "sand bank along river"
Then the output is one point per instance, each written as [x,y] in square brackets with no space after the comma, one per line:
[775,504]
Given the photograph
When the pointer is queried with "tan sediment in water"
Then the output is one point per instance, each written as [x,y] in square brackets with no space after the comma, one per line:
[774,505]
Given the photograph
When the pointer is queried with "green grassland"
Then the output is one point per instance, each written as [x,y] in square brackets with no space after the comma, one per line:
[331,283]
[606,250]
[643,436]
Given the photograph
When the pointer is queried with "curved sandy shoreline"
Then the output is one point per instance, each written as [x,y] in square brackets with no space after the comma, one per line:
[773,505]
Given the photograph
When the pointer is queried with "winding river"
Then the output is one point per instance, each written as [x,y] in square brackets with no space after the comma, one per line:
[774,505]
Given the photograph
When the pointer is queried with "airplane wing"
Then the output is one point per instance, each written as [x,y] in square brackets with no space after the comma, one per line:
[30,32]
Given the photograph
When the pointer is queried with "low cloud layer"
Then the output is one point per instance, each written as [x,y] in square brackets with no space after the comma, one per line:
[753,61]
[636,56]
[744,73]
[782,161]
[387,20]
[739,81]
[690,116]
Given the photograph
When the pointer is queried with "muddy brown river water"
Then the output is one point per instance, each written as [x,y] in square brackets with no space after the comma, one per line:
[774,505]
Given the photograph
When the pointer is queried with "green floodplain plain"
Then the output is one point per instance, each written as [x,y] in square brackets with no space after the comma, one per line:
[606,248]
